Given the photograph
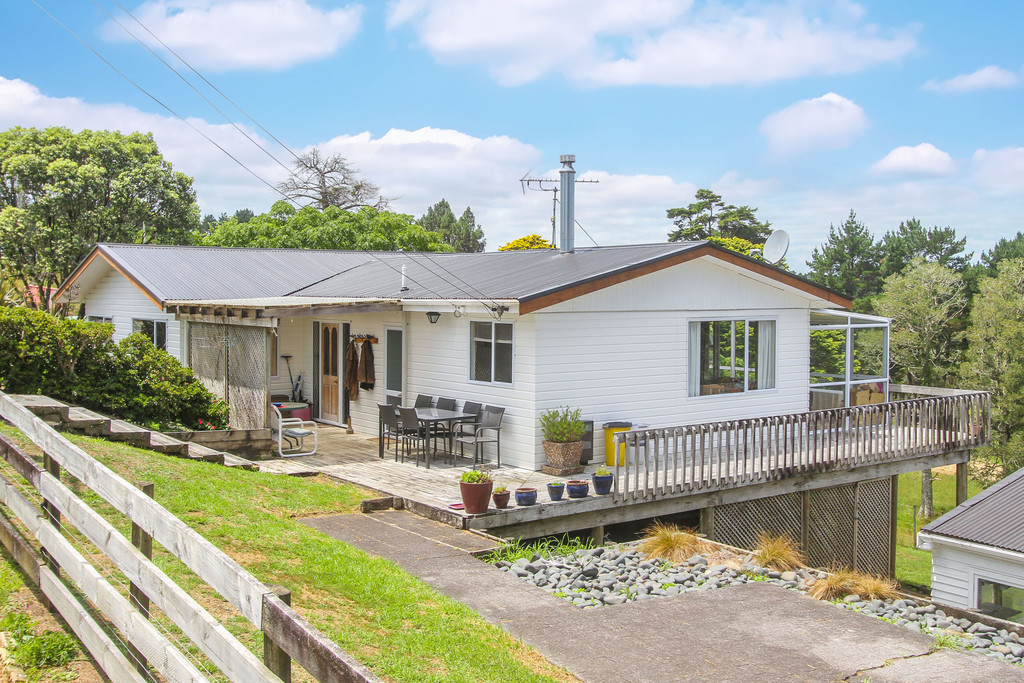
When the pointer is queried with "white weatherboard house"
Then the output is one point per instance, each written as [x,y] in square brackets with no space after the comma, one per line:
[978,551]
[674,333]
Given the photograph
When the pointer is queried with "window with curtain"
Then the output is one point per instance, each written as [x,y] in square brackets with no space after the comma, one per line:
[491,352]
[731,356]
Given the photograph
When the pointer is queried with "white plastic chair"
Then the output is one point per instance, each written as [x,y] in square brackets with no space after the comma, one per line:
[291,434]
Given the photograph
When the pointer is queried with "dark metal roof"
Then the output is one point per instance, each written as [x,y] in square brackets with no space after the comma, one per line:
[994,517]
[176,273]
[519,275]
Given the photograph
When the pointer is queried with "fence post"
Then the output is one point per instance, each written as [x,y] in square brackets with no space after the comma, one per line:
[275,658]
[52,467]
[144,542]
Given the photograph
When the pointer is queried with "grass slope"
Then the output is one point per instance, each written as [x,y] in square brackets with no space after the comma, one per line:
[914,566]
[389,620]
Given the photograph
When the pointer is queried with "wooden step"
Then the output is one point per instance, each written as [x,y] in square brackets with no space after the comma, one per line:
[199,452]
[161,443]
[49,409]
[292,469]
[131,434]
[240,463]
[89,422]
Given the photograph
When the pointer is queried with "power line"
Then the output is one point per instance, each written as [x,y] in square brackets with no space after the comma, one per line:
[158,101]
[189,84]
[217,90]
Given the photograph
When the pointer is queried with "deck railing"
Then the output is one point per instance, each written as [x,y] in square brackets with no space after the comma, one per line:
[673,461]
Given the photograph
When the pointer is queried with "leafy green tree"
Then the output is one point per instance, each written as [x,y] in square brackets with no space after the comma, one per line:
[709,216]
[63,192]
[324,182]
[911,240]
[286,227]
[848,260]
[1004,249]
[462,234]
[527,242]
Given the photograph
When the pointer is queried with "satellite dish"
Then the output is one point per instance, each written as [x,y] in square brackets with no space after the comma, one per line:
[776,247]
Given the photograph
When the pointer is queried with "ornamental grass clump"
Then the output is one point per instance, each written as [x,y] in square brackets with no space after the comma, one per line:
[780,553]
[843,581]
[562,425]
[672,543]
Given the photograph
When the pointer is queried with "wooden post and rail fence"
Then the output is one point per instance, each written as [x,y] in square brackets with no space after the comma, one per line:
[674,461]
[136,649]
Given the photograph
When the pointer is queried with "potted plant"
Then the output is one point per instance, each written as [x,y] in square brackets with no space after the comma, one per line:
[555,490]
[563,436]
[602,481]
[578,488]
[475,487]
[526,495]
[500,497]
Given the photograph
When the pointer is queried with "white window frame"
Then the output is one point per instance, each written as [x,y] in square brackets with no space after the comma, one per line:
[401,351]
[100,319]
[692,348]
[494,343]
[155,323]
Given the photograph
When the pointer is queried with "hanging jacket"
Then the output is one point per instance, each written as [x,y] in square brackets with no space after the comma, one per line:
[366,373]
[352,369]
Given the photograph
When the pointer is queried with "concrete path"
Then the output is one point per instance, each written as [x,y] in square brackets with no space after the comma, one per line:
[753,632]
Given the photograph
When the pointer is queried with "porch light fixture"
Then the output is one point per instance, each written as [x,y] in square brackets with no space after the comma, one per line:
[433,317]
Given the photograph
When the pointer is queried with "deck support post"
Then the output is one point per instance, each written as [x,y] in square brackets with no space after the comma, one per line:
[961,481]
[707,522]
[597,535]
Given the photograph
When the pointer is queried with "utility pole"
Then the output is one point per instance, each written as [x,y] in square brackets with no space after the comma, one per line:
[548,185]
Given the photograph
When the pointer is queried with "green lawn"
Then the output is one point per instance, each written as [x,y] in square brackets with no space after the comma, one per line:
[914,566]
[398,626]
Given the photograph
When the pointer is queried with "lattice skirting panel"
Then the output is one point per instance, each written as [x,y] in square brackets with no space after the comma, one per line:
[231,362]
[842,525]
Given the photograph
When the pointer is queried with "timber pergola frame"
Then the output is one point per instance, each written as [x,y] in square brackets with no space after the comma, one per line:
[266,313]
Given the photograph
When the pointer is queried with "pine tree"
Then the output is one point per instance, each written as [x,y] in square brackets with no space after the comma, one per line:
[848,261]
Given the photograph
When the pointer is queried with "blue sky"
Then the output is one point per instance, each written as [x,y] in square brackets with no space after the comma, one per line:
[802,109]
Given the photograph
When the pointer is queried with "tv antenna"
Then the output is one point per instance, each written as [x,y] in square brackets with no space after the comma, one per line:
[548,185]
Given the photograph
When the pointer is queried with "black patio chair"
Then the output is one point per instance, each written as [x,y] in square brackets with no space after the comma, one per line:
[487,430]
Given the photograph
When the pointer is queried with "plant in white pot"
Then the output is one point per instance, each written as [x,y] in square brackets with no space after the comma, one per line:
[563,436]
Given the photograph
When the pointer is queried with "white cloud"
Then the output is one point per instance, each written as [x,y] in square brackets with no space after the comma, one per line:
[1001,170]
[243,34]
[985,78]
[827,122]
[922,160]
[668,42]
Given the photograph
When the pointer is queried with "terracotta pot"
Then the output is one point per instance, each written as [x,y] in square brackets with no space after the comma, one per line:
[475,497]
[500,499]
[563,455]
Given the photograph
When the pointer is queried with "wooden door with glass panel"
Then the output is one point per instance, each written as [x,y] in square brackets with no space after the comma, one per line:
[330,389]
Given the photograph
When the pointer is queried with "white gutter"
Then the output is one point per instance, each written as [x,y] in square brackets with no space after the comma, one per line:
[926,541]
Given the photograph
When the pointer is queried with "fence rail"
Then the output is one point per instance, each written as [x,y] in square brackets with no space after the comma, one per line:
[672,461]
[290,637]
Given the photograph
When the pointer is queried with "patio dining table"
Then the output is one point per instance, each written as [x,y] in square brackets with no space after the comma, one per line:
[432,416]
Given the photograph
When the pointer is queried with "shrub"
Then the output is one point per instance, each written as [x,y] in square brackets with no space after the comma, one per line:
[672,543]
[562,425]
[843,581]
[781,553]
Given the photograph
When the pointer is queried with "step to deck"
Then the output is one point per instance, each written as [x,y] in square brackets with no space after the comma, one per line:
[161,443]
[131,434]
[197,451]
[87,421]
[48,409]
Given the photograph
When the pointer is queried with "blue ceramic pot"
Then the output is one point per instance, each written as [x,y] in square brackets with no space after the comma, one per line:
[578,488]
[526,496]
[555,492]
[602,483]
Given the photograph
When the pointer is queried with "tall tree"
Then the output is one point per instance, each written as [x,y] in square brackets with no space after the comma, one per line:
[63,192]
[848,260]
[462,234]
[926,302]
[911,240]
[329,181]
[286,227]
[1003,249]
[709,216]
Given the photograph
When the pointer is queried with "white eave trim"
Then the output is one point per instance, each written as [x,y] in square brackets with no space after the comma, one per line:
[926,541]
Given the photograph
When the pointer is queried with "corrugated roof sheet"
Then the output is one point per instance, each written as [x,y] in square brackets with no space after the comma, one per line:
[213,273]
[994,517]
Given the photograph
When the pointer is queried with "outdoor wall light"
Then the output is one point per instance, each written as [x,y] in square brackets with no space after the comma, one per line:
[433,317]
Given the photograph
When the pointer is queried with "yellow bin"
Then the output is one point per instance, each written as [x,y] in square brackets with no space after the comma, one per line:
[610,429]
